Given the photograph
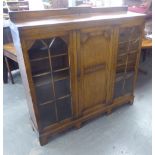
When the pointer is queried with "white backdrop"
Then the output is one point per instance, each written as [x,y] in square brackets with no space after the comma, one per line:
[36,5]
[100,2]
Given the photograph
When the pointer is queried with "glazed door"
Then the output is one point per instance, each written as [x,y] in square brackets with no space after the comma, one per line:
[94,49]
[51,80]
[128,54]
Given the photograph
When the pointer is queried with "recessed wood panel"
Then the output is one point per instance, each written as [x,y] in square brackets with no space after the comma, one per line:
[95,50]
[94,86]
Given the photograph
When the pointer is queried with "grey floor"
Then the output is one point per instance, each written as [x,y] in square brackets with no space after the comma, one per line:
[127,131]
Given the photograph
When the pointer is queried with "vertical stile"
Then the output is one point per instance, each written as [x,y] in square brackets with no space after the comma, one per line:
[49,56]
[69,60]
[126,64]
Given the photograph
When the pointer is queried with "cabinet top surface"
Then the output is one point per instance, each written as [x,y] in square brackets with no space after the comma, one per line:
[66,18]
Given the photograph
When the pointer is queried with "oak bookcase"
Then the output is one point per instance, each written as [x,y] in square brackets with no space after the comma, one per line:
[76,63]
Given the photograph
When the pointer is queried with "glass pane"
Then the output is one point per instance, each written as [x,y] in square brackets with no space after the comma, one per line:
[135,32]
[44,93]
[123,48]
[48,41]
[38,50]
[121,60]
[58,47]
[128,87]
[120,76]
[62,88]
[60,62]
[39,67]
[124,34]
[47,114]
[61,75]
[130,33]
[121,63]
[118,88]
[41,80]
[131,62]
[64,108]
[134,45]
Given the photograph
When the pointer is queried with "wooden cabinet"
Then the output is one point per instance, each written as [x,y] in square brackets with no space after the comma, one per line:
[76,64]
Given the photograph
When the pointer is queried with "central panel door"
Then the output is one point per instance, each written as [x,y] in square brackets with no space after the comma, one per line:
[93,71]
